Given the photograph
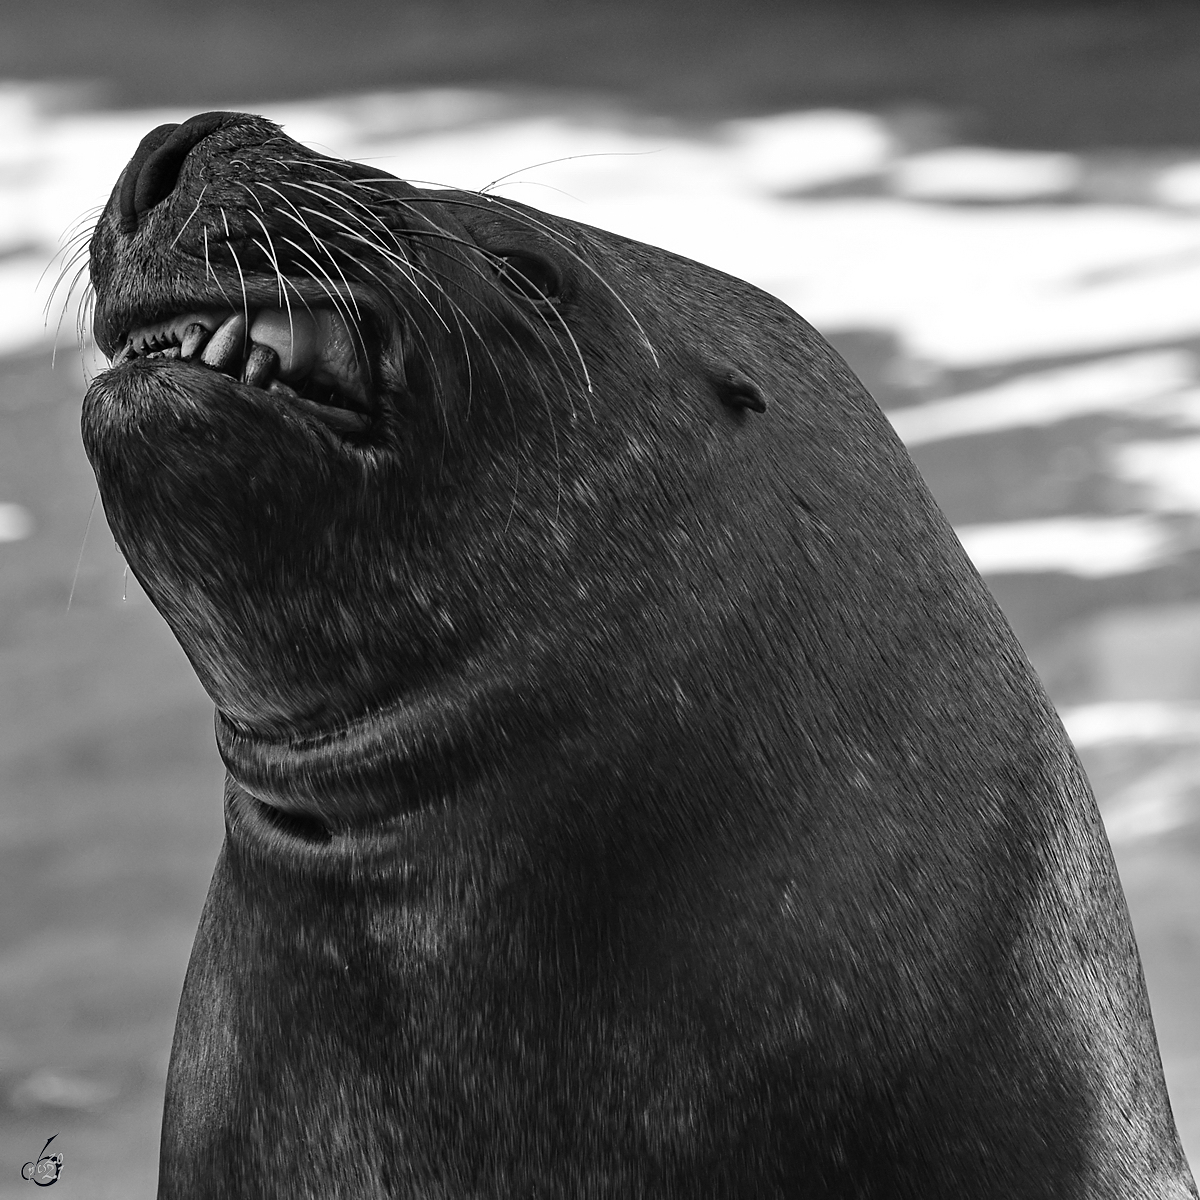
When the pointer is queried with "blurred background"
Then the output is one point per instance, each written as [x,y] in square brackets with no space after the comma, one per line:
[991,208]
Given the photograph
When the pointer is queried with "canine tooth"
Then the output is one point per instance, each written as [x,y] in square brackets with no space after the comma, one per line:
[260,366]
[227,345]
[293,336]
[194,336]
[281,389]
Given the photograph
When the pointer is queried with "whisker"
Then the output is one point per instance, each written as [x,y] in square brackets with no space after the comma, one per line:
[331,290]
[460,317]
[70,289]
[273,258]
[498,261]
[578,258]
[328,190]
[316,241]
[241,278]
[62,274]
[189,217]
[550,162]
[268,252]
[549,230]
[82,548]
[411,270]
[209,271]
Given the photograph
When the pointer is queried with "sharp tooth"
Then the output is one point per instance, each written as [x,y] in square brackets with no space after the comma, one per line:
[292,335]
[260,366]
[194,336]
[227,345]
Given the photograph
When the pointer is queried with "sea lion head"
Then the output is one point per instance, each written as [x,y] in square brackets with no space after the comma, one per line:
[424,480]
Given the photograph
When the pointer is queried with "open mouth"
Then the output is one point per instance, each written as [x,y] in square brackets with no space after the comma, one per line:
[306,358]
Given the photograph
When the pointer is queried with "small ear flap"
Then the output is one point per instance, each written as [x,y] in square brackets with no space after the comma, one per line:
[737,390]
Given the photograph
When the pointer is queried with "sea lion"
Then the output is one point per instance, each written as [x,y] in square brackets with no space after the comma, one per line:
[632,789]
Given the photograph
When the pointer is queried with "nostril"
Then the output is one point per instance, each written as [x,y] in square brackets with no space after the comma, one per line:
[154,169]
[151,142]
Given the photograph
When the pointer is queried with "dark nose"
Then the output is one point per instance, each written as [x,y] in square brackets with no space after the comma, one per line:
[153,170]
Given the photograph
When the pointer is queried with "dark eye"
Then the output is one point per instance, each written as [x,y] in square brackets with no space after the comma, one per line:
[528,275]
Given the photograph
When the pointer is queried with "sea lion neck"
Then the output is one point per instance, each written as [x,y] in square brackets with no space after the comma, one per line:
[416,753]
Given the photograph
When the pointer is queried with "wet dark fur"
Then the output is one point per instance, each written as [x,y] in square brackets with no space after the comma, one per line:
[659,804]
